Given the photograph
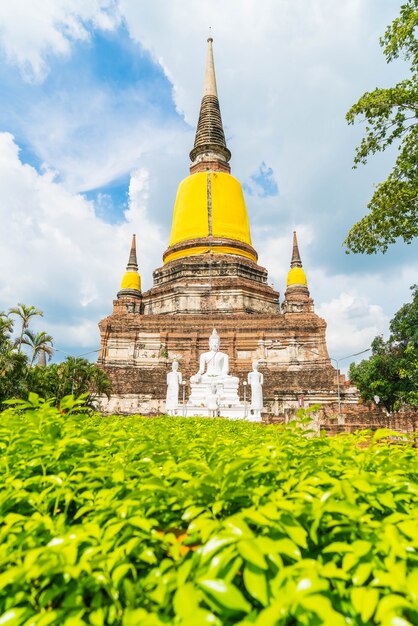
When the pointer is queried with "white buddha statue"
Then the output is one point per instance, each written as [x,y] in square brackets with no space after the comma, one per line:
[213,365]
[174,380]
[256,380]
[213,390]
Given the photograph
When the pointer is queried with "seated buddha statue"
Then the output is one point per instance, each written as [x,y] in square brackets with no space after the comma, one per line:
[213,365]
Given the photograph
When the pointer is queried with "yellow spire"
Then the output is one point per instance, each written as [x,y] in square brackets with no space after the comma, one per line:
[296,275]
[210,213]
[131,279]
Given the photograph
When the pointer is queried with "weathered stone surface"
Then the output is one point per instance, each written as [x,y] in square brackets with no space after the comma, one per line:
[137,351]
[207,283]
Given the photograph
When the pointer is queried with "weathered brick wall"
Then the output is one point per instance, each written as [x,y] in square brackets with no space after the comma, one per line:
[185,337]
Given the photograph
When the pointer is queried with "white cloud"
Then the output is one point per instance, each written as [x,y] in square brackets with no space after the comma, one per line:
[353,322]
[30,32]
[56,254]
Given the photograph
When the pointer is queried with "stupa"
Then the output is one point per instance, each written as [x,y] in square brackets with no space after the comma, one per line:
[210,278]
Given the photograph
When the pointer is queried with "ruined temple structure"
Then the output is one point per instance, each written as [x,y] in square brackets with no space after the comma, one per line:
[210,278]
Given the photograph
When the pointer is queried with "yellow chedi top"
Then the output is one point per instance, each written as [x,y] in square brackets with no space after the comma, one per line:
[209,214]
[296,276]
[131,280]
[209,206]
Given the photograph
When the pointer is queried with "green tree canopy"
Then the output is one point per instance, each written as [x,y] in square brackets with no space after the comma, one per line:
[12,362]
[37,342]
[74,376]
[391,115]
[392,371]
[18,376]
[25,313]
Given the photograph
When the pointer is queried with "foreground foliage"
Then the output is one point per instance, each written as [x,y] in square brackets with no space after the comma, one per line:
[193,522]
[391,115]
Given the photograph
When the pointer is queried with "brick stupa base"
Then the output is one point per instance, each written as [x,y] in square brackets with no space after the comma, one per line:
[138,344]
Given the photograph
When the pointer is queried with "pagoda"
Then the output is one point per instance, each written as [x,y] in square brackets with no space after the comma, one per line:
[210,278]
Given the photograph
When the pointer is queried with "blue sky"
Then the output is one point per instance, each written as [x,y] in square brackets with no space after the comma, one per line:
[98,106]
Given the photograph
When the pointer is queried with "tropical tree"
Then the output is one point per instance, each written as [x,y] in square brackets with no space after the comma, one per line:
[25,313]
[12,363]
[391,116]
[379,375]
[37,342]
[404,326]
[6,327]
[74,376]
[392,371]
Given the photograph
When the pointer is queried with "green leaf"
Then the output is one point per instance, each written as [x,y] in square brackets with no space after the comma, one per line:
[321,606]
[238,527]
[225,594]
[383,433]
[15,616]
[412,584]
[362,573]
[201,617]
[10,576]
[97,617]
[298,534]
[288,548]
[120,572]
[364,600]
[391,606]
[140,617]
[363,485]
[213,546]
[338,547]
[410,529]
[186,600]
[118,476]
[255,581]
[251,553]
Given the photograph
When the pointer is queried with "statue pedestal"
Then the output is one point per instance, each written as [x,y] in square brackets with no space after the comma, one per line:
[227,391]
[253,418]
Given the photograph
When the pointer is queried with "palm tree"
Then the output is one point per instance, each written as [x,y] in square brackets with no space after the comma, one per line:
[12,364]
[86,377]
[6,327]
[38,342]
[6,346]
[25,313]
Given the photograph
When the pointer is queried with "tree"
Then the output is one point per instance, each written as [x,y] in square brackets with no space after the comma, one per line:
[391,115]
[74,376]
[404,326]
[379,375]
[25,313]
[392,371]
[39,341]
[19,375]
[12,363]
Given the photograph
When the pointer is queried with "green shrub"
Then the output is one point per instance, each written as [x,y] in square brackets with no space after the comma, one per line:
[196,522]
